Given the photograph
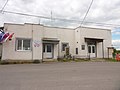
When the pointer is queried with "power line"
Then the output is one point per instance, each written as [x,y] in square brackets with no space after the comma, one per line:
[85,14]
[61,19]
[24,14]
[71,20]
[4,5]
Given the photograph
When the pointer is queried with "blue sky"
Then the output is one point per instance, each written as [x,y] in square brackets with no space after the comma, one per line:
[116,38]
[116,33]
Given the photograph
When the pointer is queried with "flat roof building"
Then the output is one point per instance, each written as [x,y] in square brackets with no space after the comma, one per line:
[35,41]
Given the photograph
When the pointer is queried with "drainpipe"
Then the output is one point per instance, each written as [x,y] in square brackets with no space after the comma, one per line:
[32,41]
[108,53]
[58,50]
[103,49]
[42,52]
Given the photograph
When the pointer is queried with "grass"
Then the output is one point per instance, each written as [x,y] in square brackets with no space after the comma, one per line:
[75,60]
[87,60]
[111,60]
[65,60]
[60,60]
[4,62]
[81,60]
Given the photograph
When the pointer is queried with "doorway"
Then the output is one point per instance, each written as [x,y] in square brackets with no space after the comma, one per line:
[48,51]
[92,50]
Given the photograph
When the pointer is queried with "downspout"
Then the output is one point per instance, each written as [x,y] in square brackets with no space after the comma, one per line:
[96,48]
[58,51]
[42,42]
[108,53]
[32,41]
[42,52]
[103,49]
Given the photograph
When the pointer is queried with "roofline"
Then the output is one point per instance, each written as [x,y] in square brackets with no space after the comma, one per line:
[58,27]
[49,26]
[91,28]
[37,24]
[13,24]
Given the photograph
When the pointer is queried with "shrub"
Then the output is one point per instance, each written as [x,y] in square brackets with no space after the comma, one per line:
[4,62]
[36,61]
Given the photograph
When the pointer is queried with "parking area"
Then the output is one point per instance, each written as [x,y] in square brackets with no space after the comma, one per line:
[61,76]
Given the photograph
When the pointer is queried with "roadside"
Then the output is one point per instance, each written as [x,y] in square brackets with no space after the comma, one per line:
[5,62]
[61,76]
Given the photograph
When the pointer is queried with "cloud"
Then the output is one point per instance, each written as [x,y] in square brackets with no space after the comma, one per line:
[69,9]
[116,31]
[116,44]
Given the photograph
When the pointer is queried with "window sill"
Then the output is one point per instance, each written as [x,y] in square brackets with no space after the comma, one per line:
[23,50]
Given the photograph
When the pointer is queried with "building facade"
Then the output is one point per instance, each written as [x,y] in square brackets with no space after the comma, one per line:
[38,42]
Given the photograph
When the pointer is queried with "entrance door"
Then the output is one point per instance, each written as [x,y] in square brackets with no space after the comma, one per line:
[48,51]
[91,50]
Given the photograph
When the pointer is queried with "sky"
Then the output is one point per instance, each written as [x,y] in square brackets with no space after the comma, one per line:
[101,11]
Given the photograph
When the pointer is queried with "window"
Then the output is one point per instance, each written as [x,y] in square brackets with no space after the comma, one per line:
[49,48]
[83,47]
[76,50]
[23,44]
[43,47]
[93,49]
[89,49]
[64,45]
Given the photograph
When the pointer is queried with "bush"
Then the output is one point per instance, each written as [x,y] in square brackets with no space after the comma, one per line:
[111,60]
[36,61]
[4,62]
[65,60]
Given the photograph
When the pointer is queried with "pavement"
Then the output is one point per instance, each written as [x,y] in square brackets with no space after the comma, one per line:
[61,76]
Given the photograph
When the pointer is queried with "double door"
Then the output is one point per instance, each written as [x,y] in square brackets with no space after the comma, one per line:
[48,51]
[92,50]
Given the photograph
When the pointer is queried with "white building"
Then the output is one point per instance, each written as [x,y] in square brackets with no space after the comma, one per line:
[38,42]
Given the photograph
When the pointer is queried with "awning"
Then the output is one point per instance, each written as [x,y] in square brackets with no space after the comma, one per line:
[93,39]
[2,28]
[110,47]
[50,40]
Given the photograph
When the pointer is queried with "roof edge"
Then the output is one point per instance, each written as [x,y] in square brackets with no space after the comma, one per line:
[56,26]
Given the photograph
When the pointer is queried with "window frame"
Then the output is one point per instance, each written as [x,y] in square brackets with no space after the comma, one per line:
[62,46]
[82,47]
[22,39]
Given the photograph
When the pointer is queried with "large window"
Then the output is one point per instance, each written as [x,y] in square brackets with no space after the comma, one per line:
[64,45]
[23,44]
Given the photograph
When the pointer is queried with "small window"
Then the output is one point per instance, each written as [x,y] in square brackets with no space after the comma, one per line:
[49,48]
[23,44]
[19,44]
[83,47]
[93,49]
[64,45]
[76,50]
[43,47]
[89,49]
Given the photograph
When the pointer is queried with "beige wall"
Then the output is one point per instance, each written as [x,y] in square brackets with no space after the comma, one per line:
[62,34]
[9,52]
[37,36]
[95,33]
[37,32]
